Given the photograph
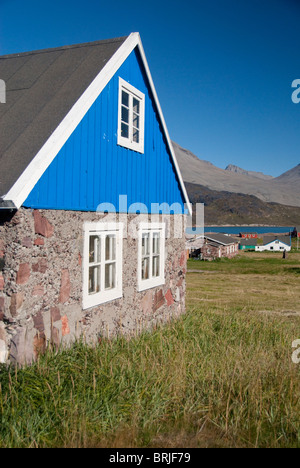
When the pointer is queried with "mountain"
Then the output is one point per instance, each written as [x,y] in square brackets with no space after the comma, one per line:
[290,177]
[239,170]
[284,189]
[221,207]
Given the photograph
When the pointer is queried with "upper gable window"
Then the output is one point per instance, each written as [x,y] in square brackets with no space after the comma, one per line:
[131,117]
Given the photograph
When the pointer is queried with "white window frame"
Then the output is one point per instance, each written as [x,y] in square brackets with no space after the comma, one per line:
[104,295]
[128,142]
[153,281]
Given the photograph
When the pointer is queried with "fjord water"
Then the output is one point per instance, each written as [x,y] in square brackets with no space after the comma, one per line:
[238,229]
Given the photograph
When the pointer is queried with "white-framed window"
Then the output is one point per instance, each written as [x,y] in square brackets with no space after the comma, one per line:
[102,263]
[131,117]
[151,255]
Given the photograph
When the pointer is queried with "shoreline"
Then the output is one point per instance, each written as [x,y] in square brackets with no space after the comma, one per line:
[236,229]
[244,225]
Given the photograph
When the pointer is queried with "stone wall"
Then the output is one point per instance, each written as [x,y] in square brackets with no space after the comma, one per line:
[210,252]
[41,284]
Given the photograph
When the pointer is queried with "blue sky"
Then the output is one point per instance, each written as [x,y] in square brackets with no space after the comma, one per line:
[222,69]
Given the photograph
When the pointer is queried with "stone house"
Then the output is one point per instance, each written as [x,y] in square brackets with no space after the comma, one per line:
[212,245]
[92,202]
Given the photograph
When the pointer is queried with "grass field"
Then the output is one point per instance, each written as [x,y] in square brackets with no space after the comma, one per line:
[220,376]
[253,282]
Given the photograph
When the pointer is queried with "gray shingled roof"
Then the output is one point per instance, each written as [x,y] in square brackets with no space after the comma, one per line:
[248,241]
[220,238]
[41,88]
[284,239]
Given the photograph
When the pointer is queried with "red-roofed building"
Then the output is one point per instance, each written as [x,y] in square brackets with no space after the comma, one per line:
[248,235]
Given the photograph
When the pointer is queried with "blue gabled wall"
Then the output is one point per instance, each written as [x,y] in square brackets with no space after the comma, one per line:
[92,169]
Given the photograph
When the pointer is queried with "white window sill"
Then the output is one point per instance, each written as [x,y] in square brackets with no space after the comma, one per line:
[151,283]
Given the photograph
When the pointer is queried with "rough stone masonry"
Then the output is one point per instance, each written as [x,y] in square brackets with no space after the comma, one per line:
[41,284]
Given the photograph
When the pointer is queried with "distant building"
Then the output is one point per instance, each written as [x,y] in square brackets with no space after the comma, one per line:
[275,244]
[248,244]
[212,246]
[248,235]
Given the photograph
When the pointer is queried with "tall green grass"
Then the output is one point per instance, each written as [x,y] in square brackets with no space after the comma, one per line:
[266,263]
[206,379]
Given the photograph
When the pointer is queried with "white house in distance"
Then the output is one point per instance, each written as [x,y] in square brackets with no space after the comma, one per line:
[275,244]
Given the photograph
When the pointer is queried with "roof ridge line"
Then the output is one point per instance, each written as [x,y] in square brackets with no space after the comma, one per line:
[64,47]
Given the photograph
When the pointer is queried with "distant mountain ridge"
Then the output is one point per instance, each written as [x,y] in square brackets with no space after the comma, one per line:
[284,189]
[239,170]
[221,208]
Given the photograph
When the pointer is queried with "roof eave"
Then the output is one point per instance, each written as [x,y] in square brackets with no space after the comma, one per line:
[7,205]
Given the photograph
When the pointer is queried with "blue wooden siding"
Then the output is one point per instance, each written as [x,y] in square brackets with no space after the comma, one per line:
[92,169]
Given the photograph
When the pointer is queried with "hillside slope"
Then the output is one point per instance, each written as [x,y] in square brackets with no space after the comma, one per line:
[222,207]
[284,189]
[291,177]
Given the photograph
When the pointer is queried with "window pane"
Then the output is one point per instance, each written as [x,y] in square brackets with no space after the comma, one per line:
[155,266]
[136,121]
[136,136]
[94,249]
[94,279]
[110,247]
[145,268]
[125,98]
[110,275]
[125,114]
[146,244]
[124,130]
[136,106]
[156,243]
